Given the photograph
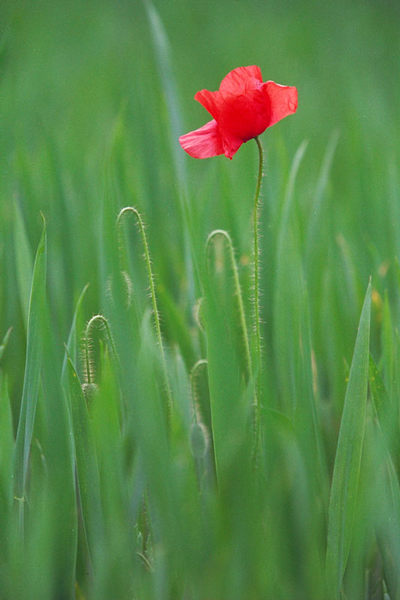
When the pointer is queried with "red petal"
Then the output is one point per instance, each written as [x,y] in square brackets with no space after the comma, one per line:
[282,100]
[246,115]
[231,144]
[204,142]
[210,101]
[240,80]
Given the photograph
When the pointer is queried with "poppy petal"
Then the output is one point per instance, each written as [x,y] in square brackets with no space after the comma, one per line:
[240,80]
[244,116]
[210,101]
[204,142]
[231,144]
[282,100]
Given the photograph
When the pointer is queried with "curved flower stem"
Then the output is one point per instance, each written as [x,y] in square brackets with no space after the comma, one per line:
[102,323]
[156,314]
[238,291]
[256,256]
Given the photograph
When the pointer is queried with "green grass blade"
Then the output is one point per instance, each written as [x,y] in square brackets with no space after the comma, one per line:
[343,498]
[23,260]
[230,408]
[52,433]
[289,199]
[6,482]
[86,460]
[33,364]
[289,288]
[118,518]
[71,347]
[164,64]
[314,227]
[388,521]
[4,342]
[7,444]
[382,492]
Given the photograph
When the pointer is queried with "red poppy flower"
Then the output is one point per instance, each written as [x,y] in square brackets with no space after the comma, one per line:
[242,108]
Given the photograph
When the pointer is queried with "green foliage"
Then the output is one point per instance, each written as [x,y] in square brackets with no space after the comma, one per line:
[133,463]
[34,361]
[346,473]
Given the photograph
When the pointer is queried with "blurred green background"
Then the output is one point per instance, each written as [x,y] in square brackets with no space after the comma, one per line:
[93,97]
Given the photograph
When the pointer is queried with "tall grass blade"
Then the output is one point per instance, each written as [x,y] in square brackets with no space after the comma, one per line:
[164,64]
[7,448]
[314,227]
[71,347]
[6,482]
[230,409]
[85,460]
[344,489]
[289,293]
[289,199]
[53,434]
[33,365]
[24,262]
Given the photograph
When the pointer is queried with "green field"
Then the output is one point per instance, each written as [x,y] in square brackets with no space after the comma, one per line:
[133,462]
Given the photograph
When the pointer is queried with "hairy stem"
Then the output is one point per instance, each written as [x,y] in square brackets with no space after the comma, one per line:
[100,322]
[156,315]
[256,258]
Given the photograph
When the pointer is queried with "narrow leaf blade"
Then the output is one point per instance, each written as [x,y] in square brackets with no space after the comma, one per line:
[33,364]
[344,489]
